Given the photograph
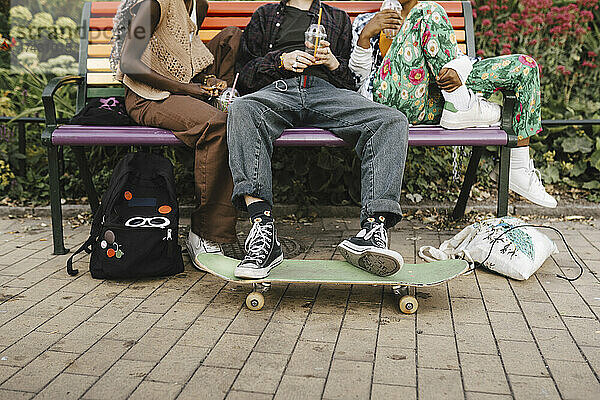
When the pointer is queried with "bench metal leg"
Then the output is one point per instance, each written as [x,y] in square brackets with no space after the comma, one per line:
[22,147]
[470,178]
[55,206]
[86,176]
[503,182]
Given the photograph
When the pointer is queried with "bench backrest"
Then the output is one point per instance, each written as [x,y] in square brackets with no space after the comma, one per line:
[97,23]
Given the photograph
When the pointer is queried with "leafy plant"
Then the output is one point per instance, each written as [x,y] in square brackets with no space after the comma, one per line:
[564,38]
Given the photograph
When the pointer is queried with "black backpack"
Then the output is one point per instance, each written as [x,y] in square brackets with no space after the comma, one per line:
[109,111]
[134,231]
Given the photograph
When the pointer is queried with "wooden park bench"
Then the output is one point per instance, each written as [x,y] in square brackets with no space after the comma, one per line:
[96,80]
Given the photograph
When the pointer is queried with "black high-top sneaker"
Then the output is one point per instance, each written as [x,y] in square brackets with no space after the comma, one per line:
[368,250]
[263,251]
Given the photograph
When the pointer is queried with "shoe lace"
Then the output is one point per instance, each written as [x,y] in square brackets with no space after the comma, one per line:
[258,242]
[377,232]
[210,246]
[535,176]
[484,105]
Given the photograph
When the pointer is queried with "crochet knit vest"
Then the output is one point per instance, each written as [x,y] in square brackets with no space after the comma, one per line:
[170,51]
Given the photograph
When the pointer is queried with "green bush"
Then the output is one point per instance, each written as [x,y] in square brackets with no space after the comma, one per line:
[564,38]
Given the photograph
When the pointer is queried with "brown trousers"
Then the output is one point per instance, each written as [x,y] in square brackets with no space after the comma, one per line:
[203,127]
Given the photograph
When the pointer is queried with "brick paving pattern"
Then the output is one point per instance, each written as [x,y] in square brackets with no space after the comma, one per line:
[480,336]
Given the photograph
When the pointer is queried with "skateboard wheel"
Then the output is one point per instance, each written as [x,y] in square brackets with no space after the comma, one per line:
[255,301]
[408,304]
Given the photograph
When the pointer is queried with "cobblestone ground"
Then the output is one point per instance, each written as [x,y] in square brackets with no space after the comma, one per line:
[480,336]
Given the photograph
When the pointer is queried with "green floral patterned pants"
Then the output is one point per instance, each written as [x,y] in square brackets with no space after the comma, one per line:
[426,42]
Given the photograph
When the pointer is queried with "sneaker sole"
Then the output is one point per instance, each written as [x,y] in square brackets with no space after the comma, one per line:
[466,124]
[380,262]
[254,273]
[522,192]
[195,263]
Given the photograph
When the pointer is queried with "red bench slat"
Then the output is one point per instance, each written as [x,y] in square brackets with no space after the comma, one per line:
[106,24]
[228,8]
[141,135]
[222,22]
[101,24]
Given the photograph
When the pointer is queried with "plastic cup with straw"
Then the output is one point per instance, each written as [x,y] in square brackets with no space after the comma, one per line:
[228,95]
[314,33]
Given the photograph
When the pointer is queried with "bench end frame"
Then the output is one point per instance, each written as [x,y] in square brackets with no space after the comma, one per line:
[53,168]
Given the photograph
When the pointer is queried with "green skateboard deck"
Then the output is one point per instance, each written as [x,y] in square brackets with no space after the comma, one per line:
[339,272]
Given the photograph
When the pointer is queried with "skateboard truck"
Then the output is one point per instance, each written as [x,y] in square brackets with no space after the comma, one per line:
[261,287]
[407,303]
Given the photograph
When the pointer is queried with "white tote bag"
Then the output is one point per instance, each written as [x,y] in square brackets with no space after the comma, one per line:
[502,245]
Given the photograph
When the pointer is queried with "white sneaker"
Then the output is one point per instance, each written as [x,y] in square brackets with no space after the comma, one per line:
[527,182]
[197,245]
[481,113]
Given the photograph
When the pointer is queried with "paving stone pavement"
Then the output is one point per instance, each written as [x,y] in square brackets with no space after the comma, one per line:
[480,336]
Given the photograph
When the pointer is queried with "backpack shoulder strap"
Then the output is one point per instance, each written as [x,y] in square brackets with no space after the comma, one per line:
[87,247]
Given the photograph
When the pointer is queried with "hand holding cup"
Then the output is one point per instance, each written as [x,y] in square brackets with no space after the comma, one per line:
[218,84]
[324,56]
[297,61]
[200,91]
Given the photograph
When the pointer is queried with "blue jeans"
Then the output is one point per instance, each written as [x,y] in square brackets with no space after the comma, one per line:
[378,133]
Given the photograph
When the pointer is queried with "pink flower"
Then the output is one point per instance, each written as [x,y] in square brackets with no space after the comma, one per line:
[416,76]
[426,37]
[587,15]
[386,68]
[563,70]
[486,22]
[484,8]
[591,54]
[527,60]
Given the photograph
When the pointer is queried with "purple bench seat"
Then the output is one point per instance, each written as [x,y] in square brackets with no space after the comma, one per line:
[80,135]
